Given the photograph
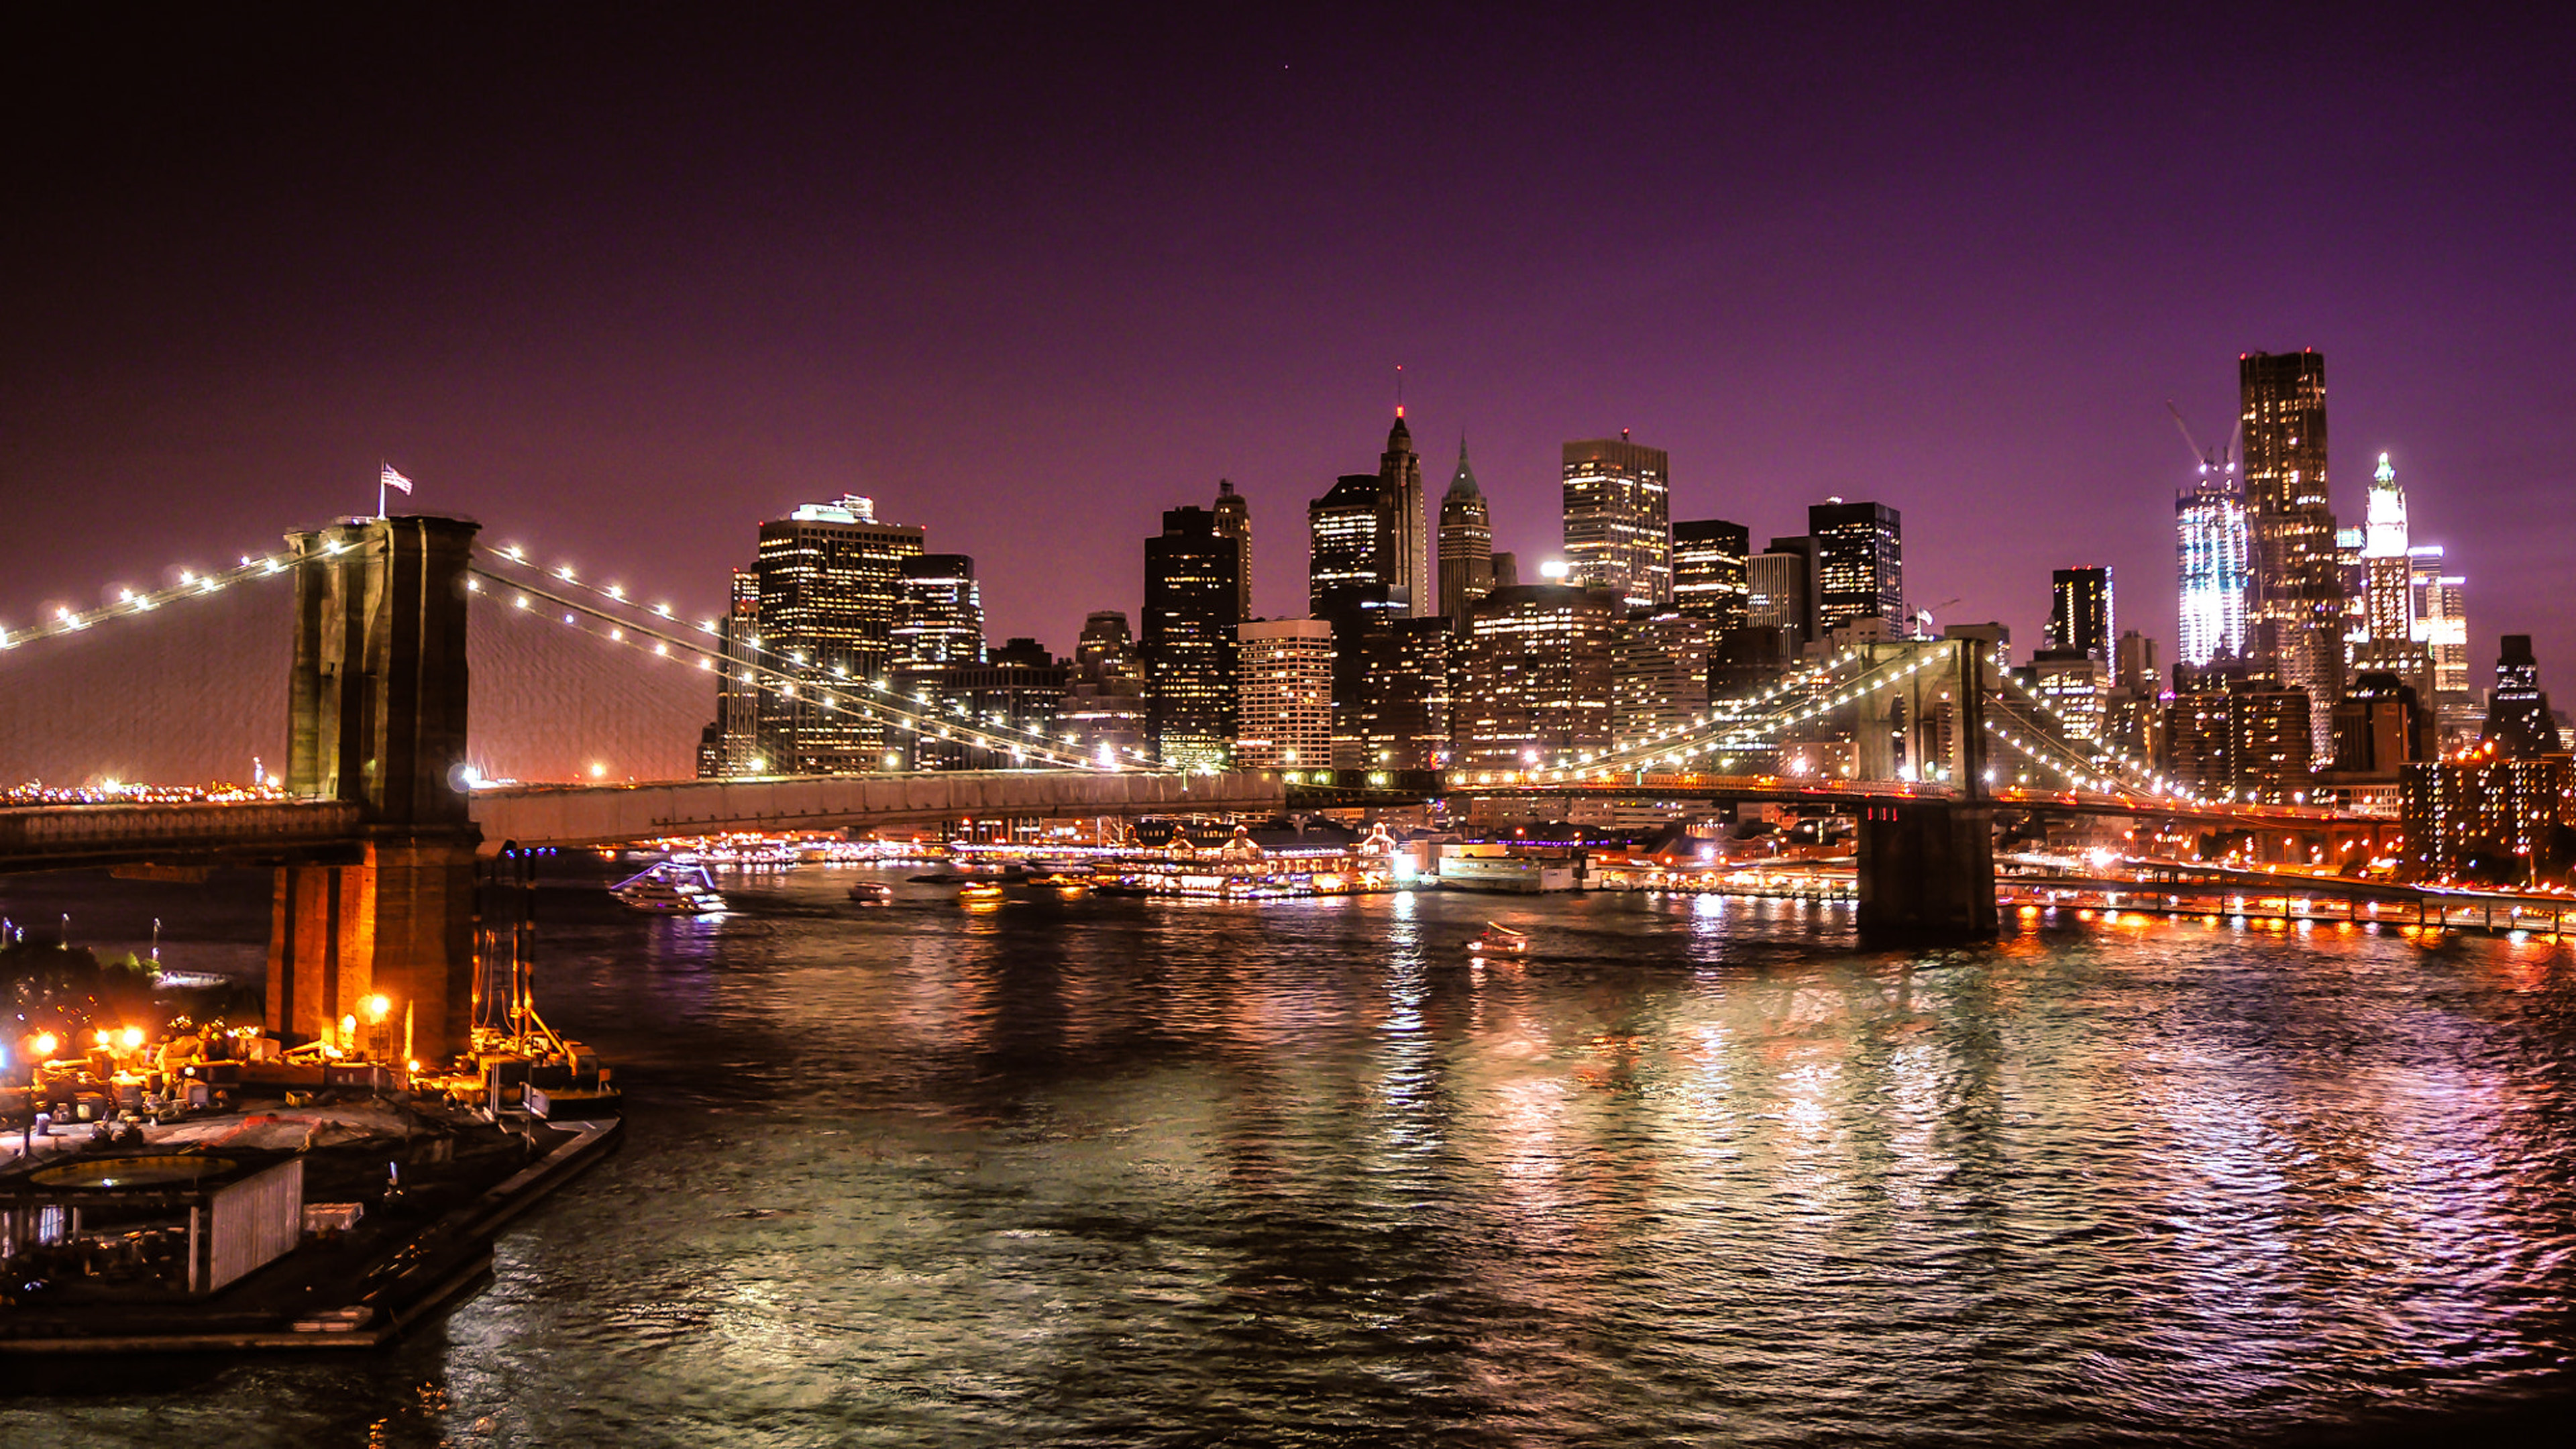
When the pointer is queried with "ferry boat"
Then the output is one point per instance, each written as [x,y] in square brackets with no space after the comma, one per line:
[667,888]
[1498,941]
[871,892]
[978,892]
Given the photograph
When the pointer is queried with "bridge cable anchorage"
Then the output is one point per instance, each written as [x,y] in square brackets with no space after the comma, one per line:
[191,585]
[868,697]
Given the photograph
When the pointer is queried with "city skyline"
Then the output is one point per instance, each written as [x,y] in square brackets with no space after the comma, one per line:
[634,397]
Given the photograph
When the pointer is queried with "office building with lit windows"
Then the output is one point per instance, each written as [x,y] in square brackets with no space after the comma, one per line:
[1400,554]
[830,581]
[1859,562]
[1234,520]
[1618,519]
[2233,732]
[1780,592]
[1710,560]
[1019,687]
[731,746]
[1191,573]
[2296,615]
[1283,694]
[939,613]
[1104,711]
[2079,612]
[2441,626]
[1535,679]
[1466,543]
[2485,817]
[2215,564]
[1659,673]
[1342,541]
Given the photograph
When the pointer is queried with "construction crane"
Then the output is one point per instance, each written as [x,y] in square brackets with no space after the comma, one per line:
[2222,462]
[1923,618]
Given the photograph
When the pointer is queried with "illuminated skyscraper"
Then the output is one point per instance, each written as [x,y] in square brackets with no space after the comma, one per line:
[1284,694]
[2213,552]
[1659,674]
[1191,574]
[737,726]
[1400,554]
[1234,520]
[939,617]
[1104,706]
[2442,627]
[2518,722]
[1780,592]
[1859,563]
[1535,681]
[1618,533]
[1342,549]
[1466,543]
[1710,557]
[2296,618]
[2079,613]
[830,579]
[2387,577]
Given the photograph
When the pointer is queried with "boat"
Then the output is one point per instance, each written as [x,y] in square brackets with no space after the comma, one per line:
[979,891]
[871,892]
[1498,941]
[667,888]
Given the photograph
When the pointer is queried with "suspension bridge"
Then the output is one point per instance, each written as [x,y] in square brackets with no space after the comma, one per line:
[375,842]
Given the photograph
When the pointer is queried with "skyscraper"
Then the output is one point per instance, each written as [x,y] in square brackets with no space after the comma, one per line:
[1234,520]
[2518,718]
[2214,559]
[2442,627]
[1779,590]
[1342,546]
[1284,694]
[1400,553]
[1618,520]
[2079,614]
[1466,543]
[939,616]
[2296,615]
[1191,574]
[829,581]
[1659,674]
[1104,706]
[1859,563]
[738,749]
[1710,557]
[1535,684]
[2387,579]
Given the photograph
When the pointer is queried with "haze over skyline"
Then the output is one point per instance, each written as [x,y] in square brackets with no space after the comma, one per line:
[621,286]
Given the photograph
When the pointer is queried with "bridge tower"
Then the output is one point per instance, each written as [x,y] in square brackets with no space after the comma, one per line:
[377,700]
[1927,867]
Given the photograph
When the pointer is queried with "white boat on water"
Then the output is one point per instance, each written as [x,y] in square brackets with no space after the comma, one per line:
[667,888]
[1498,941]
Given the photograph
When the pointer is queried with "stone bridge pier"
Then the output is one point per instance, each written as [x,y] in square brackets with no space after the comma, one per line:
[377,700]
[1927,867]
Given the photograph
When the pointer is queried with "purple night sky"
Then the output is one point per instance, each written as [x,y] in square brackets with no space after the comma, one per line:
[621,287]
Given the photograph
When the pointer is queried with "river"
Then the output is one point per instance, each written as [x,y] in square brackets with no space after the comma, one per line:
[1698,1170]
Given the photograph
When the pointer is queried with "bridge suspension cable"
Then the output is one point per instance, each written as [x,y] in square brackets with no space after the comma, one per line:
[131,603]
[1753,730]
[663,635]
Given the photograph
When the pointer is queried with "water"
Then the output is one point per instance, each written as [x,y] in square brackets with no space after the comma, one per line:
[1123,1172]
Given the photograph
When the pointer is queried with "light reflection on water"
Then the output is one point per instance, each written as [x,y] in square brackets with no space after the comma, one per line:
[1116,1171]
